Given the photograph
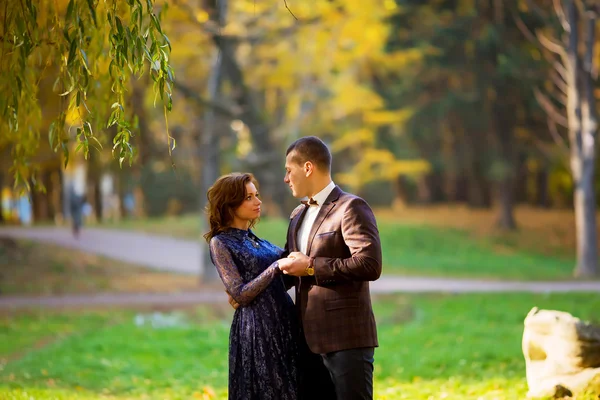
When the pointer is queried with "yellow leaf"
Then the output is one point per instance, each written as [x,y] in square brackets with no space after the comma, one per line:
[385,117]
[201,16]
[358,137]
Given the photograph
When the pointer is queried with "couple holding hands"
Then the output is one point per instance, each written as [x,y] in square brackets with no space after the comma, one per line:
[322,346]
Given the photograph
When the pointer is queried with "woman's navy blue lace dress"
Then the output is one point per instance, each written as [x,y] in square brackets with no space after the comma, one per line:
[262,342]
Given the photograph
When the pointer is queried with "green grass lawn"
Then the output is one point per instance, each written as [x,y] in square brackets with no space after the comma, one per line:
[412,248]
[431,347]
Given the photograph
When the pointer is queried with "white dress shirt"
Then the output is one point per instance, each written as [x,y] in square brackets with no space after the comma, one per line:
[311,216]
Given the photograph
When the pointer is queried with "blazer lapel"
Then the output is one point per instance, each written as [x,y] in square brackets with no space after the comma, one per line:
[295,226]
[323,212]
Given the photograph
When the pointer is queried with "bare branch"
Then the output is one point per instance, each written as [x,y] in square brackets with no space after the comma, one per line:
[560,141]
[561,15]
[535,8]
[524,29]
[561,98]
[559,82]
[551,111]
[547,148]
[223,108]
[533,39]
[551,45]
[288,8]
[558,67]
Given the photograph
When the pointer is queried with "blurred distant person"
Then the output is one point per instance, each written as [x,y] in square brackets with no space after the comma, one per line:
[76,204]
[76,186]
[334,243]
[263,337]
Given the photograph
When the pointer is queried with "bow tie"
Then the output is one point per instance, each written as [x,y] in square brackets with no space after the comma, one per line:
[310,202]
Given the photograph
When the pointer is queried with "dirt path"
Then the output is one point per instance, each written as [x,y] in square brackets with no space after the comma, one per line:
[183,256]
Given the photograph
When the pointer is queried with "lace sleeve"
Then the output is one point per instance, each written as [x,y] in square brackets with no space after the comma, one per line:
[242,293]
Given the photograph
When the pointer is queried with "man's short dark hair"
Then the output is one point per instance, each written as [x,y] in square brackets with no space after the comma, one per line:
[313,149]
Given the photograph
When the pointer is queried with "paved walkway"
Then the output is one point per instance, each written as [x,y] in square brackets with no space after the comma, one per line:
[183,256]
[158,252]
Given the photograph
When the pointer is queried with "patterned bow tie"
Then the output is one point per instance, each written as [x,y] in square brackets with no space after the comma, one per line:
[310,202]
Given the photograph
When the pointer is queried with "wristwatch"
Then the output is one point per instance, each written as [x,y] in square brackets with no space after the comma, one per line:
[310,270]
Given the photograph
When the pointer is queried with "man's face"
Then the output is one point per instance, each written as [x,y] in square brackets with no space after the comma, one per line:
[296,176]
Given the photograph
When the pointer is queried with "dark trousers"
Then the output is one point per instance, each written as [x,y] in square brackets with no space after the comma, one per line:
[341,375]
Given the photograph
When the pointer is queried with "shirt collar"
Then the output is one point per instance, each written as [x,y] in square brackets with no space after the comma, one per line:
[324,194]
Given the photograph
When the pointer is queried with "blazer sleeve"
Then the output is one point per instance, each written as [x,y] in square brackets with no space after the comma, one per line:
[242,293]
[360,233]
[288,280]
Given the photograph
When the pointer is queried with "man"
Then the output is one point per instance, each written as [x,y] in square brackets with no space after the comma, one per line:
[334,241]
[336,249]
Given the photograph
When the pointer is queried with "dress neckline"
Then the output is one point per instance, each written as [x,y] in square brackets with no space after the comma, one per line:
[241,233]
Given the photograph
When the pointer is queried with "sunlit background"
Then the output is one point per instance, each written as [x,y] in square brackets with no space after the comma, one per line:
[463,123]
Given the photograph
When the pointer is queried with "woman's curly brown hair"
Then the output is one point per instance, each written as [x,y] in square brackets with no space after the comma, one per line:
[224,197]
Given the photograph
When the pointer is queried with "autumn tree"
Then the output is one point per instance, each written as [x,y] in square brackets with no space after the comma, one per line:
[89,49]
[569,41]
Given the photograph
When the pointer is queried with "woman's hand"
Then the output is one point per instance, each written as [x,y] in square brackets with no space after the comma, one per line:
[232,302]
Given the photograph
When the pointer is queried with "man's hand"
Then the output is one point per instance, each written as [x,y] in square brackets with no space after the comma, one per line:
[232,302]
[296,264]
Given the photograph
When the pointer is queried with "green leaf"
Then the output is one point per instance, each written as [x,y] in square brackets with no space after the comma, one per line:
[110,68]
[52,134]
[78,101]
[95,140]
[126,48]
[72,50]
[66,33]
[156,23]
[87,129]
[92,9]
[81,27]
[85,61]
[19,85]
[168,41]
[119,27]
[85,77]
[65,150]
[70,10]
[134,16]
[140,14]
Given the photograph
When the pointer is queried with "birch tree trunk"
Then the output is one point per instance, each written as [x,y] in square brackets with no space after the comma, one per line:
[582,129]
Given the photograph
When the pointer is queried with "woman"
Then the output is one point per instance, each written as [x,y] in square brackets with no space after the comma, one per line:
[262,341]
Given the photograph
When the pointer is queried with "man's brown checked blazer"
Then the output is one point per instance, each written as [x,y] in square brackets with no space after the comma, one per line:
[335,303]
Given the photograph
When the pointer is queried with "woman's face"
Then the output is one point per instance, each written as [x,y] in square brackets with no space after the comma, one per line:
[250,208]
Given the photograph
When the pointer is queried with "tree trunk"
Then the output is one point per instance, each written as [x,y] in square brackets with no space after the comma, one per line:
[145,145]
[582,128]
[401,197]
[542,198]
[478,189]
[209,149]
[506,183]
[267,160]
[506,219]
[1,190]
[474,153]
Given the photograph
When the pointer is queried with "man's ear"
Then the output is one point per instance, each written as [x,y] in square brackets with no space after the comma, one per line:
[308,168]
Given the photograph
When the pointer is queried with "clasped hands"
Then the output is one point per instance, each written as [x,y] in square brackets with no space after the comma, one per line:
[294,264]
